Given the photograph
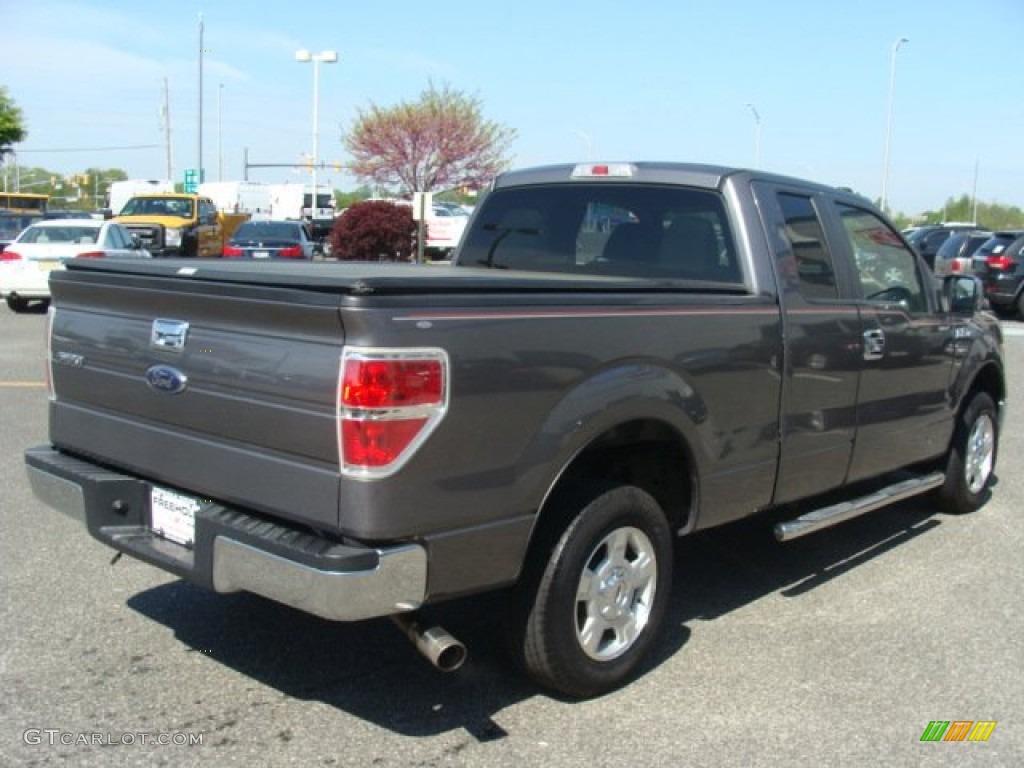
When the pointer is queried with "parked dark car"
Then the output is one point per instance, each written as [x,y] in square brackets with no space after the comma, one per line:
[928,239]
[270,240]
[955,254]
[999,262]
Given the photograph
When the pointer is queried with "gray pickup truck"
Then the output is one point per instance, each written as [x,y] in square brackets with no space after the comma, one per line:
[620,354]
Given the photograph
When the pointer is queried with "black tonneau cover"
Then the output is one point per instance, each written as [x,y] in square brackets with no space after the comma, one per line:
[361,278]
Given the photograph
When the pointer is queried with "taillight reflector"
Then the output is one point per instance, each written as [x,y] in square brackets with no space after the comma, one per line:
[291,252]
[375,444]
[10,255]
[231,251]
[954,266]
[90,255]
[391,383]
[389,401]
[999,262]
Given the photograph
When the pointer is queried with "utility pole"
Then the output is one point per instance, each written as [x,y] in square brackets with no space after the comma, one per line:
[199,159]
[165,124]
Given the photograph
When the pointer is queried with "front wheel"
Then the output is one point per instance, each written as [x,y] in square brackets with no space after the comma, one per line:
[972,457]
[590,605]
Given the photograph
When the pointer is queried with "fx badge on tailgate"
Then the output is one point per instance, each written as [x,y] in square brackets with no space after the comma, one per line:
[168,334]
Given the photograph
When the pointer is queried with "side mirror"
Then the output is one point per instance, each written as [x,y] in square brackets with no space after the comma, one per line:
[963,295]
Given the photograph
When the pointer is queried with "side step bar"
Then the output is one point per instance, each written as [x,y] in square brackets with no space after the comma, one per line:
[838,513]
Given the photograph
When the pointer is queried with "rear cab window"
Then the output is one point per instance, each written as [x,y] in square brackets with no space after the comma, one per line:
[621,229]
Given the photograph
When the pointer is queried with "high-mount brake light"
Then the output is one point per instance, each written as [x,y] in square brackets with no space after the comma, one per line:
[389,401]
[602,170]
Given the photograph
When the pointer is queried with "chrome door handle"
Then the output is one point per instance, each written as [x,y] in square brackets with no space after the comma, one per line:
[874,344]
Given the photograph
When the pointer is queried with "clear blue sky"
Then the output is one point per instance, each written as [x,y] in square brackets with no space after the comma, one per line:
[639,80]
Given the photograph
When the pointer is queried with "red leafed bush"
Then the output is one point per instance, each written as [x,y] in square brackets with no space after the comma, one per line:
[374,231]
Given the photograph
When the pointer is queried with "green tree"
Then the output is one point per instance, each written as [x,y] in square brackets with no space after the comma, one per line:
[437,143]
[12,124]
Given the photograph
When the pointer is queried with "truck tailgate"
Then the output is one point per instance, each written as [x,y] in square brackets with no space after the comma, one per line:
[223,391]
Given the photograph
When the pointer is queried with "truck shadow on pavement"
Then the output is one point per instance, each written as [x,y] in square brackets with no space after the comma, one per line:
[369,670]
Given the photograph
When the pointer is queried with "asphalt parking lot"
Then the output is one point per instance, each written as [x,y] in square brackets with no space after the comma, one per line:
[836,649]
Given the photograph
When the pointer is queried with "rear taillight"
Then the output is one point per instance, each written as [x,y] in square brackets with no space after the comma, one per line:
[999,262]
[389,401]
[10,255]
[232,252]
[291,252]
[954,266]
[90,255]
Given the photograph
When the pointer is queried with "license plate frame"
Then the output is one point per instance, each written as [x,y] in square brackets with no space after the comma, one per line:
[172,515]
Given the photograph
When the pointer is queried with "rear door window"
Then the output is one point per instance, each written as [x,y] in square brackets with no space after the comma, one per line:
[815,270]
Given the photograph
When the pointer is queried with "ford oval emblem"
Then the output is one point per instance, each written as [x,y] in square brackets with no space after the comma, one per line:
[166,379]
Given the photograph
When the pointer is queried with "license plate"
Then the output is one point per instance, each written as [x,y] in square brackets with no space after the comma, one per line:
[261,254]
[49,266]
[173,516]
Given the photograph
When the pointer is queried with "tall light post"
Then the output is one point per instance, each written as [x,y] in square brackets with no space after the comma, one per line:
[888,124]
[587,140]
[220,137]
[199,127]
[326,57]
[757,135]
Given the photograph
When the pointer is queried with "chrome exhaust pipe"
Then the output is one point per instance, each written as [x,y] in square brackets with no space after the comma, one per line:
[440,648]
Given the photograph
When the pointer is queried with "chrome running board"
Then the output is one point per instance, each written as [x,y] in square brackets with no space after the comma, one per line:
[846,510]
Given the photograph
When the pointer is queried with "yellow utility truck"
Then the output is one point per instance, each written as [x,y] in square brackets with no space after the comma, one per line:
[179,225]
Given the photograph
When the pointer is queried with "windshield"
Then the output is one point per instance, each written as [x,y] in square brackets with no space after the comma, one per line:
[995,245]
[263,230]
[67,234]
[159,206]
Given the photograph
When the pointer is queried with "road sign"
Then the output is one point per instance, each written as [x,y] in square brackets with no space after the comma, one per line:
[192,181]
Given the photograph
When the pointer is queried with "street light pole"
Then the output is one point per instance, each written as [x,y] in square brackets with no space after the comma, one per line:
[888,125]
[220,137]
[326,57]
[757,135]
[587,140]
[199,128]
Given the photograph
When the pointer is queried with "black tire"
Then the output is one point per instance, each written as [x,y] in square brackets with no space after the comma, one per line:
[972,457]
[619,542]
[16,304]
[1020,305]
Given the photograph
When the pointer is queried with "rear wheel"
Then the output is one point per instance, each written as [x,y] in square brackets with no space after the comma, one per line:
[594,594]
[972,457]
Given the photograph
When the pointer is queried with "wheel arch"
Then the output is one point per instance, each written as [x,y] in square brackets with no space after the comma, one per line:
[596,438]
